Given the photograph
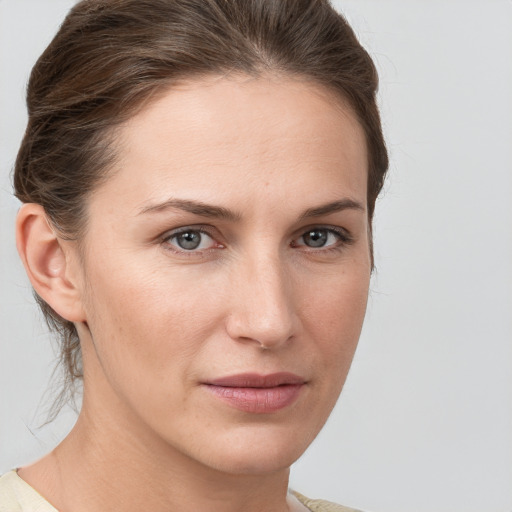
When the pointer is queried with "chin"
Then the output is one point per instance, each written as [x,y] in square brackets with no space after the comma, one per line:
[253,463]
[258,450]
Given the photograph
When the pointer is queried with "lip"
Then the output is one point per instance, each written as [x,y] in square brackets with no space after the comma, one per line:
[254,393]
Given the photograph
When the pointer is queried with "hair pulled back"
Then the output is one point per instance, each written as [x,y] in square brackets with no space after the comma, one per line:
[110,56]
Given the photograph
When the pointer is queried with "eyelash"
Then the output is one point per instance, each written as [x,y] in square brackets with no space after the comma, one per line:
[191,253]
[344,240]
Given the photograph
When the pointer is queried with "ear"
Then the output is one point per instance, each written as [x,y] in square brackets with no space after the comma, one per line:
[50,262]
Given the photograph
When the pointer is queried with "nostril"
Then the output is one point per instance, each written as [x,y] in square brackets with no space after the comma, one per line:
[254,329]
[268,345]
[262,311]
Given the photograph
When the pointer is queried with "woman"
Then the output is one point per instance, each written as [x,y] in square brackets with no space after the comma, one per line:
[199,180]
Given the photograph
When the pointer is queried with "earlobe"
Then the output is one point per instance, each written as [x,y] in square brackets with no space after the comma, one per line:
[48,262]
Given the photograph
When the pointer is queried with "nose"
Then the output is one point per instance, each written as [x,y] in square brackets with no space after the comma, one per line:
[262,311]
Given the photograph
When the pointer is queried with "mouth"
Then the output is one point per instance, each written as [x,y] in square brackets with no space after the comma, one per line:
[253,393]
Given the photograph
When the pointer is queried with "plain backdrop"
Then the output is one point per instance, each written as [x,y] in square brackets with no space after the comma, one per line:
[425,419]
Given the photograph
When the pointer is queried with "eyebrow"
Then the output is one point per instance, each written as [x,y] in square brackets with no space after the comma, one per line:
[335,206]
[195,207]
[219,212]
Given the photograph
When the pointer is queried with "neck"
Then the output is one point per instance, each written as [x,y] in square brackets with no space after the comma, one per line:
[117,465]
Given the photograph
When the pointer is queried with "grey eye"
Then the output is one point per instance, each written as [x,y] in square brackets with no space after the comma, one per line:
[316,237]
[191,241]
[188,240]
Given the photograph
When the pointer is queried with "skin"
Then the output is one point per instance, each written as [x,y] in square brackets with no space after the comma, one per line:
[156,321]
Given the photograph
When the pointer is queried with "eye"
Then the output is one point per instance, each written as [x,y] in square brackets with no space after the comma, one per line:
[317,238]
[190,240]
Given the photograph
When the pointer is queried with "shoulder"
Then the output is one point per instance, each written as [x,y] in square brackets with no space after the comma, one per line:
[322,505]
[9,501]
[17,496]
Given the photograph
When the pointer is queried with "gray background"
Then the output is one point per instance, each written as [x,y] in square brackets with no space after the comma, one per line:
[425,420]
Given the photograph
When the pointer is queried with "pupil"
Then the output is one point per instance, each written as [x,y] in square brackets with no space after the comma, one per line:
[189,240]
[316,238]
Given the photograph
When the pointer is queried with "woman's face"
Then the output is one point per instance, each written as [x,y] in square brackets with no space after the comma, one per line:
[225,272]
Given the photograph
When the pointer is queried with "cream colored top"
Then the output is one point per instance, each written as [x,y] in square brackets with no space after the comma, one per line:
[18,496]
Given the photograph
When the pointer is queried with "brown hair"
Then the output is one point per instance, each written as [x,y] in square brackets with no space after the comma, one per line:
[109,56]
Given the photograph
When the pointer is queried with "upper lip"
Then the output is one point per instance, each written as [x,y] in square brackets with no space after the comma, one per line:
[254,380]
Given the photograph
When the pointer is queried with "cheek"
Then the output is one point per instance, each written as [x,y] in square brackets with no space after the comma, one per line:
[338,303]
[333,311]
[333,316]
[144,321]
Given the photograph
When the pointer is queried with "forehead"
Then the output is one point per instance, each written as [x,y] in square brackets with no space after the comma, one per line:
[210,136]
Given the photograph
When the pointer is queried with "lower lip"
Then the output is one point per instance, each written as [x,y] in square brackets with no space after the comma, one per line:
[257,400]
